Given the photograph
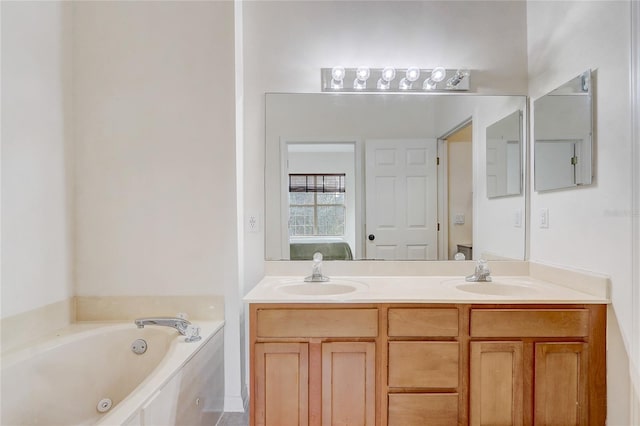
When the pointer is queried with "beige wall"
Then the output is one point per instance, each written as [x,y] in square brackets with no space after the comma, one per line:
[590,228]
[154,92]
[459,156]
[37,159]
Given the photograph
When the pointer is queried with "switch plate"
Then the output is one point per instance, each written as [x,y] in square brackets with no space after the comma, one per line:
[252,223]
[543,216]
[517,218]
[459,219]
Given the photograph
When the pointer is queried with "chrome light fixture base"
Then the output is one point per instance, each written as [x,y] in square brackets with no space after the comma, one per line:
[398,80]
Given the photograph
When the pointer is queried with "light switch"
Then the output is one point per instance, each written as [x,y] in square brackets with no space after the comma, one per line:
[543,216]
[459,219]
[517,218]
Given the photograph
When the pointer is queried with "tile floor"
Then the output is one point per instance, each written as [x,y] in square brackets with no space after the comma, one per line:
[234,419]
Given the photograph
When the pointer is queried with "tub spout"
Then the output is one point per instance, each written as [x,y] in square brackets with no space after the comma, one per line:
[183,326]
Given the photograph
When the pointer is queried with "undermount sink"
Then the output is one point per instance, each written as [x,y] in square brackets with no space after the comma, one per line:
[330,288]
[497,288]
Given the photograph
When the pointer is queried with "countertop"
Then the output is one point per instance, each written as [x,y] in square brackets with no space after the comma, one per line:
[430,289]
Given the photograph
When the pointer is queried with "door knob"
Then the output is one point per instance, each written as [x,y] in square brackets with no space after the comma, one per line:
[372,237]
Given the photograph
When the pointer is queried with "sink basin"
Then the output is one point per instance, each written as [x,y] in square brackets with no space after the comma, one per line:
[497,289]
[330,288]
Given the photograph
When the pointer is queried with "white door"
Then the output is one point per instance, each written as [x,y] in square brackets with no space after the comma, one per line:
[401,199]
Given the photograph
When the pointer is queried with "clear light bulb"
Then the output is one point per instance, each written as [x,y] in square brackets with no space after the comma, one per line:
[362,74]
[438,74]
[388,74]
[337,76]
[412,74]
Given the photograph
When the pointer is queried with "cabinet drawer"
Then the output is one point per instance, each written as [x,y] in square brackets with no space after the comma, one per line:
[423,322]
[423,364]
[529,322]
[307,323]
[419,409]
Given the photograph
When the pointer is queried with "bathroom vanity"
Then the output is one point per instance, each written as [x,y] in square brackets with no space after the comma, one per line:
[372,357]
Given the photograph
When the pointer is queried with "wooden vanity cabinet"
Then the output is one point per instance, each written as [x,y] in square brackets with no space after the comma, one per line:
[313,365]
[435,364]
[537,366]
[423,366]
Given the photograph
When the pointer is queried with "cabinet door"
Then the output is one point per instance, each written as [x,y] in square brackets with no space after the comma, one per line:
[497,383]
[282,384]
[348,384]
[560,384]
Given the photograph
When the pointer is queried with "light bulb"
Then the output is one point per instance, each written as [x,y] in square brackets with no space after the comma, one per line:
[362,74]
[388,74]
[413,73]
[438,74]
[337,75]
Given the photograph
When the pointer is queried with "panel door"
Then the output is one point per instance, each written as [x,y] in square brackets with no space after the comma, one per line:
[282,384]
[497,384]
[560,384]
[401,199]
[348,384]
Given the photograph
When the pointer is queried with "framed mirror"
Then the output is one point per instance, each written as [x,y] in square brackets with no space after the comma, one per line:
[563,147]
[386,176]
[504,156]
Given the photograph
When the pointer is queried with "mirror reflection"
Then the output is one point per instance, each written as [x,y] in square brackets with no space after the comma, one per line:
[386,176]
[504,155]
[563,136]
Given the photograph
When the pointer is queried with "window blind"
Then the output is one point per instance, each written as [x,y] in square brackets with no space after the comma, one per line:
[333,182]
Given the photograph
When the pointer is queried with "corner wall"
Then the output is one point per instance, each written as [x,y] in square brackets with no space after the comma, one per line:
[590,227]
[37,160]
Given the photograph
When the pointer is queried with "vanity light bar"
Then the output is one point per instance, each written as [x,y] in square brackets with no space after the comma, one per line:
[389,79]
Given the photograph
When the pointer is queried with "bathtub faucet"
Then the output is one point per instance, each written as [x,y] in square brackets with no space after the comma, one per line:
[184,327]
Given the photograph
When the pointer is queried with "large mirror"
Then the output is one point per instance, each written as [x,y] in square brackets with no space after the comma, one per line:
[563,136]
[386,176]
[504,156]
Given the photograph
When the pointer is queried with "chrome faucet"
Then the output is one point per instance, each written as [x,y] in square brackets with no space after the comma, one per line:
[481,274]
[184,327]
[316,273]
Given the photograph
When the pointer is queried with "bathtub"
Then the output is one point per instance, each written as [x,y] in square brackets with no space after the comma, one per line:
[88,368]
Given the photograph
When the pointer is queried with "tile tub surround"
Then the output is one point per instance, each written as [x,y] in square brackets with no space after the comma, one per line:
[22,329]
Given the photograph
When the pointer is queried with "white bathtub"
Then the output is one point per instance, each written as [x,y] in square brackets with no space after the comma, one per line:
[61,380]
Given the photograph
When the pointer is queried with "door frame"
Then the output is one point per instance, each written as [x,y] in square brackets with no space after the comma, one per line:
[443,185]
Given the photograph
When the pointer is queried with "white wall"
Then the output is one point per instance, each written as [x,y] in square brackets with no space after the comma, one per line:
[154,91]
[37,199]
[590,228]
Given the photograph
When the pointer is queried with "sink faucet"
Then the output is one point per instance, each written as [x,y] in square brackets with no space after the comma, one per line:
[482,272]
[184,327]
[316,273]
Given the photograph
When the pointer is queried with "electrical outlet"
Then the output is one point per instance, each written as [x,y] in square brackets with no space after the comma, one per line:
[252,223]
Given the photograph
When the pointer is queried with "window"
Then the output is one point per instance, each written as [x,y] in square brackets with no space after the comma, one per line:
[316,205]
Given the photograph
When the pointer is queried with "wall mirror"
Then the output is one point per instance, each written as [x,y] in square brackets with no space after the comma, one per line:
[504,156]
[386,177]
[563,136]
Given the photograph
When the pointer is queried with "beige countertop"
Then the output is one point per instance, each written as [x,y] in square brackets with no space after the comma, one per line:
[543,285]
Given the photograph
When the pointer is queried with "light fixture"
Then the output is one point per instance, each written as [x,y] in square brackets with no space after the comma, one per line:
[362,75]
[387,76]
[412,74]
[437,75]
[458,77]
[412,79]
[337,77]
